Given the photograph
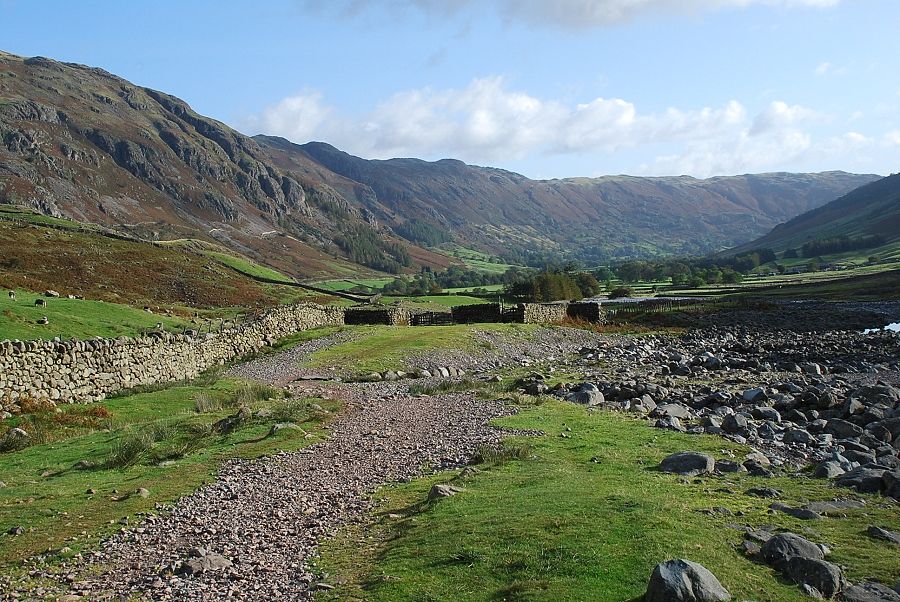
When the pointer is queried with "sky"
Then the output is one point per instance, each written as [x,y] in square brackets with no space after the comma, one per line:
[546,88]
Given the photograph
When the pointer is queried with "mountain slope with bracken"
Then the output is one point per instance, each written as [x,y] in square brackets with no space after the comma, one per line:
[872,210]
[82,143]
[598,217]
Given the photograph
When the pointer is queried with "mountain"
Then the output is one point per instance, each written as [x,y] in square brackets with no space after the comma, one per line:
[600,218]
[872,210]
[82,143]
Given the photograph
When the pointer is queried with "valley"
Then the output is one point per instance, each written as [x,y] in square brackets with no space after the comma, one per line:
[253,348]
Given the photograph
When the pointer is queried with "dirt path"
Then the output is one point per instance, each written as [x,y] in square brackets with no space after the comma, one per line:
[263,519]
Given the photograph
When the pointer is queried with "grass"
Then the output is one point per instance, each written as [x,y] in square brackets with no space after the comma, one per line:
[73,489]
[245,266]
[586,517]
[379,348]
[349,283]
[443,301]
[75,318]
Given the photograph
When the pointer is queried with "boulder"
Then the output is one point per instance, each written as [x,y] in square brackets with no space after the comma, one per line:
[688,463]
[784,546]
[820,574]
[892,484]
[863,479]
[586,397]
[673,410]
[883,534]
[684,581]
[870,592]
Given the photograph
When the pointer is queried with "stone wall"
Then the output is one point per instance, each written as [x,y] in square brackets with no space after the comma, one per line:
[391,316]
[537,313]
[84,371]
[589,311]
[478,313]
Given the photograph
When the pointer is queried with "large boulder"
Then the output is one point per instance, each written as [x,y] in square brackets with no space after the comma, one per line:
[863,479]
[820,574]
[784,546]
[870,592]
[203,564]
[684,581]
[586,394]
[892,484]
[688,463]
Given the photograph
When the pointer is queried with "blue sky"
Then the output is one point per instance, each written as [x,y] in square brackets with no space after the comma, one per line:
[546,88]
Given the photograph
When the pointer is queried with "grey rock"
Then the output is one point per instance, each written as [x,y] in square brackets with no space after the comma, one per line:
[203,564]
[870,592]
[864,480]
[684,581]
[784,546]
[441,490]
[688,463]
[588,398]
[826,577]
[883,534]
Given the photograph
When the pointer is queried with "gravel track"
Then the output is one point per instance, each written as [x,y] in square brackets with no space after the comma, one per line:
[279,369]
[267,516]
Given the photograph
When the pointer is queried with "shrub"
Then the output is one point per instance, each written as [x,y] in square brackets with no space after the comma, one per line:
[620,292]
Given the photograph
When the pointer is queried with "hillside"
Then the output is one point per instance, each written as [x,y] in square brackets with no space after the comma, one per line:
[870,210]
[38,253]
[612,216]
[82,143]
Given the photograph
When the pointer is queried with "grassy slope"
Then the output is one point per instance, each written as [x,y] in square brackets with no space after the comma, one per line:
[46,495]
[74,318]
[79,260]
[587,519]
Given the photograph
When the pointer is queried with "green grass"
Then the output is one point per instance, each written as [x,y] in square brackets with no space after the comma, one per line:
[475,260]
[587,518]
[48,495]
[348,283]
[27,215]
[443,300]
[378,348]
[74,318]
[469,289]
[244,265]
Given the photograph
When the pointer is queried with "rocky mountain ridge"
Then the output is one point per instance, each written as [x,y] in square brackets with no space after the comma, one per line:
[79,142]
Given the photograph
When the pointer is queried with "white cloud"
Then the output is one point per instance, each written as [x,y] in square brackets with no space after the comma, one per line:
[823,68]
[487,122]
[892,138]
[779,115]
[576,14]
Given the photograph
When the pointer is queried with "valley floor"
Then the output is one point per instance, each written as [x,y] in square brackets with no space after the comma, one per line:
[564,501]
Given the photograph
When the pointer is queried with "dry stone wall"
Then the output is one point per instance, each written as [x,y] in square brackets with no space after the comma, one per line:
[84,371]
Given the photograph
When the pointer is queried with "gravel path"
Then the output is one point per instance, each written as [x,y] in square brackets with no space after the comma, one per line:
[260,522]
[267,516]
[279,369]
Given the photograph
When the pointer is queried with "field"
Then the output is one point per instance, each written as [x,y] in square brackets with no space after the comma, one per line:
[349,283]
[584,517]
[75,318]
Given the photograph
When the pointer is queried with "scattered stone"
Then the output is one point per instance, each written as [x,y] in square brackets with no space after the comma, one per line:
[203,564]
[764,492]
[440,490]
[824,576]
